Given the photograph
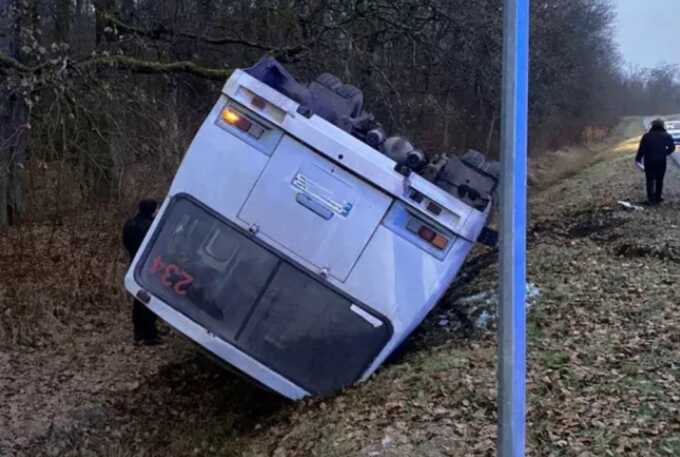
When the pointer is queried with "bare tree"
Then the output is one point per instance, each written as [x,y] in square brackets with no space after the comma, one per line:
[137,76]
[13,116]
[63,20]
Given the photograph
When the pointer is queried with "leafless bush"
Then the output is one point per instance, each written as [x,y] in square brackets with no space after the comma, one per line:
[59,277]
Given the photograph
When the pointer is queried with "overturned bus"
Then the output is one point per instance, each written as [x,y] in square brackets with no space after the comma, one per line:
[301,244]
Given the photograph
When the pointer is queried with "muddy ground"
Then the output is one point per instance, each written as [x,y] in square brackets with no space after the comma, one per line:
[603,369]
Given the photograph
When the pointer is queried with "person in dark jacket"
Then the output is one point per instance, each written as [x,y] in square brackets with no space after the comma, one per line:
[655,146]
[134,231]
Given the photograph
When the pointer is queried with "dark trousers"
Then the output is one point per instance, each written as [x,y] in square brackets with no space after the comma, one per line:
[654,172]
[144,322]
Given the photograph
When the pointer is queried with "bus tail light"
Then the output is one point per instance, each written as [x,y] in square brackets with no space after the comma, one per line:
[237,119]
[427,233]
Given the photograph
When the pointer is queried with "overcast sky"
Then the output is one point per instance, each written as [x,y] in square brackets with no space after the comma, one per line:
[648,31]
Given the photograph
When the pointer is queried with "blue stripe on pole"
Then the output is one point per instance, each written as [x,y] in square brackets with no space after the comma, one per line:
[519,224]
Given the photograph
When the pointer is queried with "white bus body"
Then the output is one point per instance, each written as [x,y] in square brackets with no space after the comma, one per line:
[294,251]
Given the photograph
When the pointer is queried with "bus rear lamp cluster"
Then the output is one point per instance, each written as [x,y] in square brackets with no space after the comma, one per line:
[242,122]
[428,234]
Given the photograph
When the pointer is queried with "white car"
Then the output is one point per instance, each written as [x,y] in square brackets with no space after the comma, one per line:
[673,129]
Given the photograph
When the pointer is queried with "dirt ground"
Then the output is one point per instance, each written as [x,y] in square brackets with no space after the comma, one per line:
[603,368]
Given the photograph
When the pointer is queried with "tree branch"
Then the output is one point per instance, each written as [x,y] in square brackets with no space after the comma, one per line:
[126,63]
[8,62]
[149,67]
[159,32]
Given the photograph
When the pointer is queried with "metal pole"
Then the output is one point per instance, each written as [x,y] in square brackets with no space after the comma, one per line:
[512,313]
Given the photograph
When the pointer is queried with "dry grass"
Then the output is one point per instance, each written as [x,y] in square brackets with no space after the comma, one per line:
[555,166]
[603,371]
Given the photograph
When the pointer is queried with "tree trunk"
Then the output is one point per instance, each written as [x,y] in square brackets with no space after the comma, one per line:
[103,8]
[128,12]
[13,120]
[80,9]
[63,21]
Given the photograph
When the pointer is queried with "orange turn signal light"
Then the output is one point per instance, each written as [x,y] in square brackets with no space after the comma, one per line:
[440,242]
[428,234]
[233,117]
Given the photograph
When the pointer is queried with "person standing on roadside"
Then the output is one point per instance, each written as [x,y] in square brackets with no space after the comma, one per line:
[655,146]
[134,231]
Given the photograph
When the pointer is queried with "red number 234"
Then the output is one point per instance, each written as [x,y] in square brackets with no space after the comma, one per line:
[169,272]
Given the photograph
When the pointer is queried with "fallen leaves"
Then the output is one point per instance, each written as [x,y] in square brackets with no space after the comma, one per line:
[603,366]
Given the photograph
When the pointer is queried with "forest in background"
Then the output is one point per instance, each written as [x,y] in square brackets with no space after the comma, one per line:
[100,98]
